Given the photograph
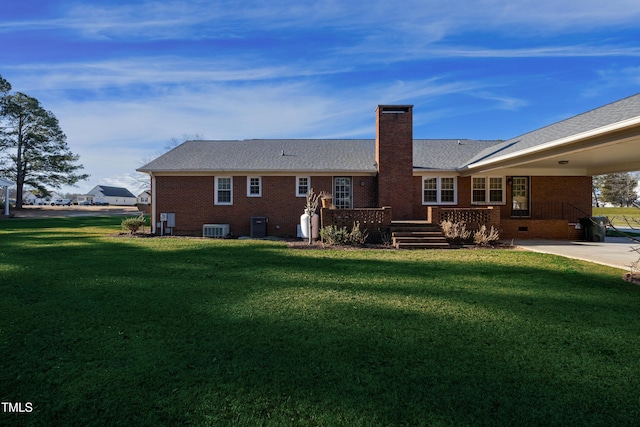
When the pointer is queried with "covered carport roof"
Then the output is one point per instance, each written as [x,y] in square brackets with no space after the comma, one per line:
[604,140]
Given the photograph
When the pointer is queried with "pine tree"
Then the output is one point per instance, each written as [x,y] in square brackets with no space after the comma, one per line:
[619,188]
[33,148]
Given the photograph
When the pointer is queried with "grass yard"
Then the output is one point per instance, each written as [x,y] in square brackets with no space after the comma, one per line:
[618,215]
[99,330]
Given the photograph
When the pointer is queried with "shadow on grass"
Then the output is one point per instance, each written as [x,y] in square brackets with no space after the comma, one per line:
[166,332]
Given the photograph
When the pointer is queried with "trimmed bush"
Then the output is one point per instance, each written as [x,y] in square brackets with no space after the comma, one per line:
[133,224]
[334,235]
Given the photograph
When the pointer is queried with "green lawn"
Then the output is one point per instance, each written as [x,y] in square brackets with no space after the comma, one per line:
[618,215]
[100,330]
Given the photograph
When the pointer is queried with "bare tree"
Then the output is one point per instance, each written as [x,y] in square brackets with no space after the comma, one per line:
[142,179]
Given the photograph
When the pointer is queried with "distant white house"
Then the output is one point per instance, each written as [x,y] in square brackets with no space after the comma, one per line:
[31,198]
[144,198]
[84,200]
[106,195]
[53,197]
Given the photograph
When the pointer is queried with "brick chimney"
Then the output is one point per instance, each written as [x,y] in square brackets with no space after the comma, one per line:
[394,156]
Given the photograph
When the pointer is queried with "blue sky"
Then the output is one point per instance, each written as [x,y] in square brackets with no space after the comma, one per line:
[126,77]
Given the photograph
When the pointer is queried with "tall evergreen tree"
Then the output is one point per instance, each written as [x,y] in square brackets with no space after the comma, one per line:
[5,87]
[619,188]
[33,148]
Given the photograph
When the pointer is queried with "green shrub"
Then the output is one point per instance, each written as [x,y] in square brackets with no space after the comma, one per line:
[385,236]
[133,224]
[334,235]
[357,236]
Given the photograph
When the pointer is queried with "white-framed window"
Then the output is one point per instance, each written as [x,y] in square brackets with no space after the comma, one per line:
[303,185]
[439,190]
[223,190]
[487,190]
[254,186]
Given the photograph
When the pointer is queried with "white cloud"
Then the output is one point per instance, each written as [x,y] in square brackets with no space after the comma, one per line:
[114,137]
[610,78]
[117,111]
[415,18]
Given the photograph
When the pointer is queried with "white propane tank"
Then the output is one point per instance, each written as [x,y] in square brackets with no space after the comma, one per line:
[304,226]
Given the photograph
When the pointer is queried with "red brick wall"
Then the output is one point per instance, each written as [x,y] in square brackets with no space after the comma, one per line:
[575,190]
[571,189]
[464,192]
[192,200]
[534,229]
[394,155]
[189,197]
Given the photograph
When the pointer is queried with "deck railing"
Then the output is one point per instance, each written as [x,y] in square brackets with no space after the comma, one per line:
[557,210]
[473,217]
[371,219]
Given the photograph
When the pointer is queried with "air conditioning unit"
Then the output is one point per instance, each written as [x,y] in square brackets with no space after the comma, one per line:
[215,230]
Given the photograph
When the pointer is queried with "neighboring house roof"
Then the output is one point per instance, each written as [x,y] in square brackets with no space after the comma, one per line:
[108,191]
[358,155]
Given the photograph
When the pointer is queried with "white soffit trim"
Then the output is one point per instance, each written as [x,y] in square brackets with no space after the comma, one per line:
[435,172]
[560,142]
[233,172]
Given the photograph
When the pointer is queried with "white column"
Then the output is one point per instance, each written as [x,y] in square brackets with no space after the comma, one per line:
[6,200]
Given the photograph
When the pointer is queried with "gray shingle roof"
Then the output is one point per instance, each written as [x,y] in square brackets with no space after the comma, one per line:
[286,155]
[358,155]
[446,154]
[349,155]
[618,111]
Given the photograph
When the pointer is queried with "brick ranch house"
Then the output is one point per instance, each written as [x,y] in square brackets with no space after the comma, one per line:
[536,185]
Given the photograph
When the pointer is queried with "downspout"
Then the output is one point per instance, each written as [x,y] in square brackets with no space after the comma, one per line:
[153,203]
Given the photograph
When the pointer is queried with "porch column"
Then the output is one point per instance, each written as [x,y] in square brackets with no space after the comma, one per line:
[6,200]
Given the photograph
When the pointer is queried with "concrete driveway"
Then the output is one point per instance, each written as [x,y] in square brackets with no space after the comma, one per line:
[614,251]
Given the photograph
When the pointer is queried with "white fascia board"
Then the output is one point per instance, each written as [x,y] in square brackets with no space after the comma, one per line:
[559,142]
[261,172]
[534,172]
[435,172]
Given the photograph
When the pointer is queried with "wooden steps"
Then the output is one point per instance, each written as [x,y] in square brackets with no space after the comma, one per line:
[417,235]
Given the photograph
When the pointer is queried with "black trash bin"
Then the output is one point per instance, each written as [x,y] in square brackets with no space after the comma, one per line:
[594,228]
[258,227]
